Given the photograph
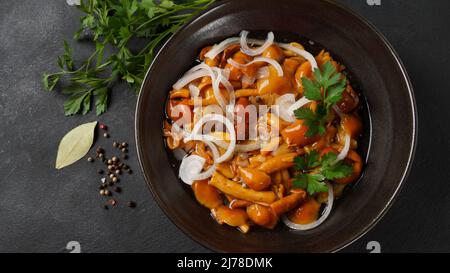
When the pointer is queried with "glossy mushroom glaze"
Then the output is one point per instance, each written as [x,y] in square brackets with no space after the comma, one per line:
[290,148]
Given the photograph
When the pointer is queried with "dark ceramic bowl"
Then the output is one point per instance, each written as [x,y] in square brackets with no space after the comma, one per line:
[390,117]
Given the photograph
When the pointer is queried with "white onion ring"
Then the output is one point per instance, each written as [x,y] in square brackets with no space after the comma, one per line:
[319,221]
[216,80]
[248,80]
[263,72]
[257,51]
[189,77]
[300,103]
[225,73]
[343,154]
[284,103]
[195,134]
[194,91]
[197,67]
[250,147]
[270,61]
[190,166]
[216,49]
[216,87]
[305,54]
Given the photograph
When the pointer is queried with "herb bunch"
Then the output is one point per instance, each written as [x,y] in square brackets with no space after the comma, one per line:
[115,24]
[326,88]
[314,169]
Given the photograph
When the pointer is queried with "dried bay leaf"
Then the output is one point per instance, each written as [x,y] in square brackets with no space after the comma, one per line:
[75,144]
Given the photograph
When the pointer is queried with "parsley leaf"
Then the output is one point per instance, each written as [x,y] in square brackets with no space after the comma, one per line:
[307,162]
[312,89]
[326,88]
[315,121]
[314,170]
[312,183]
[77,103]
[115,25]
[337,170]
[101,101]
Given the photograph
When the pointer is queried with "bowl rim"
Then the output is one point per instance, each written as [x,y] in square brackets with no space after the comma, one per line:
[413,143]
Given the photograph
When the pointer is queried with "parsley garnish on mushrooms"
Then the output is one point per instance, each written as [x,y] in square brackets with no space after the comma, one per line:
[326,88]
[116,26]
[314,169]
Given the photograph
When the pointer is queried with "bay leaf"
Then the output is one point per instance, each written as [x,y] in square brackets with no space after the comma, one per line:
[75,144]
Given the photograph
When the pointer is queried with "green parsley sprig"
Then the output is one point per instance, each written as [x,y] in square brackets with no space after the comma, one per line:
[314,169]
[326,88]
[116,24]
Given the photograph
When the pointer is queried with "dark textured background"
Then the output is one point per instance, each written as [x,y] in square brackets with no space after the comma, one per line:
[42,209]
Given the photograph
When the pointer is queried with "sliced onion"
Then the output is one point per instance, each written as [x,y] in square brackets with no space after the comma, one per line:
[225,73]
[287,105]
[300,103]
[195,134]
[245,148]
[284,103]
[194,91]
[248,80]
[257,51]
[217,49]
[263,72]
[197,67]
[343,154]
[216,87]
[189,77]
[319,221]
[274,63]
[217,77]
[305,54]
[191,167]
